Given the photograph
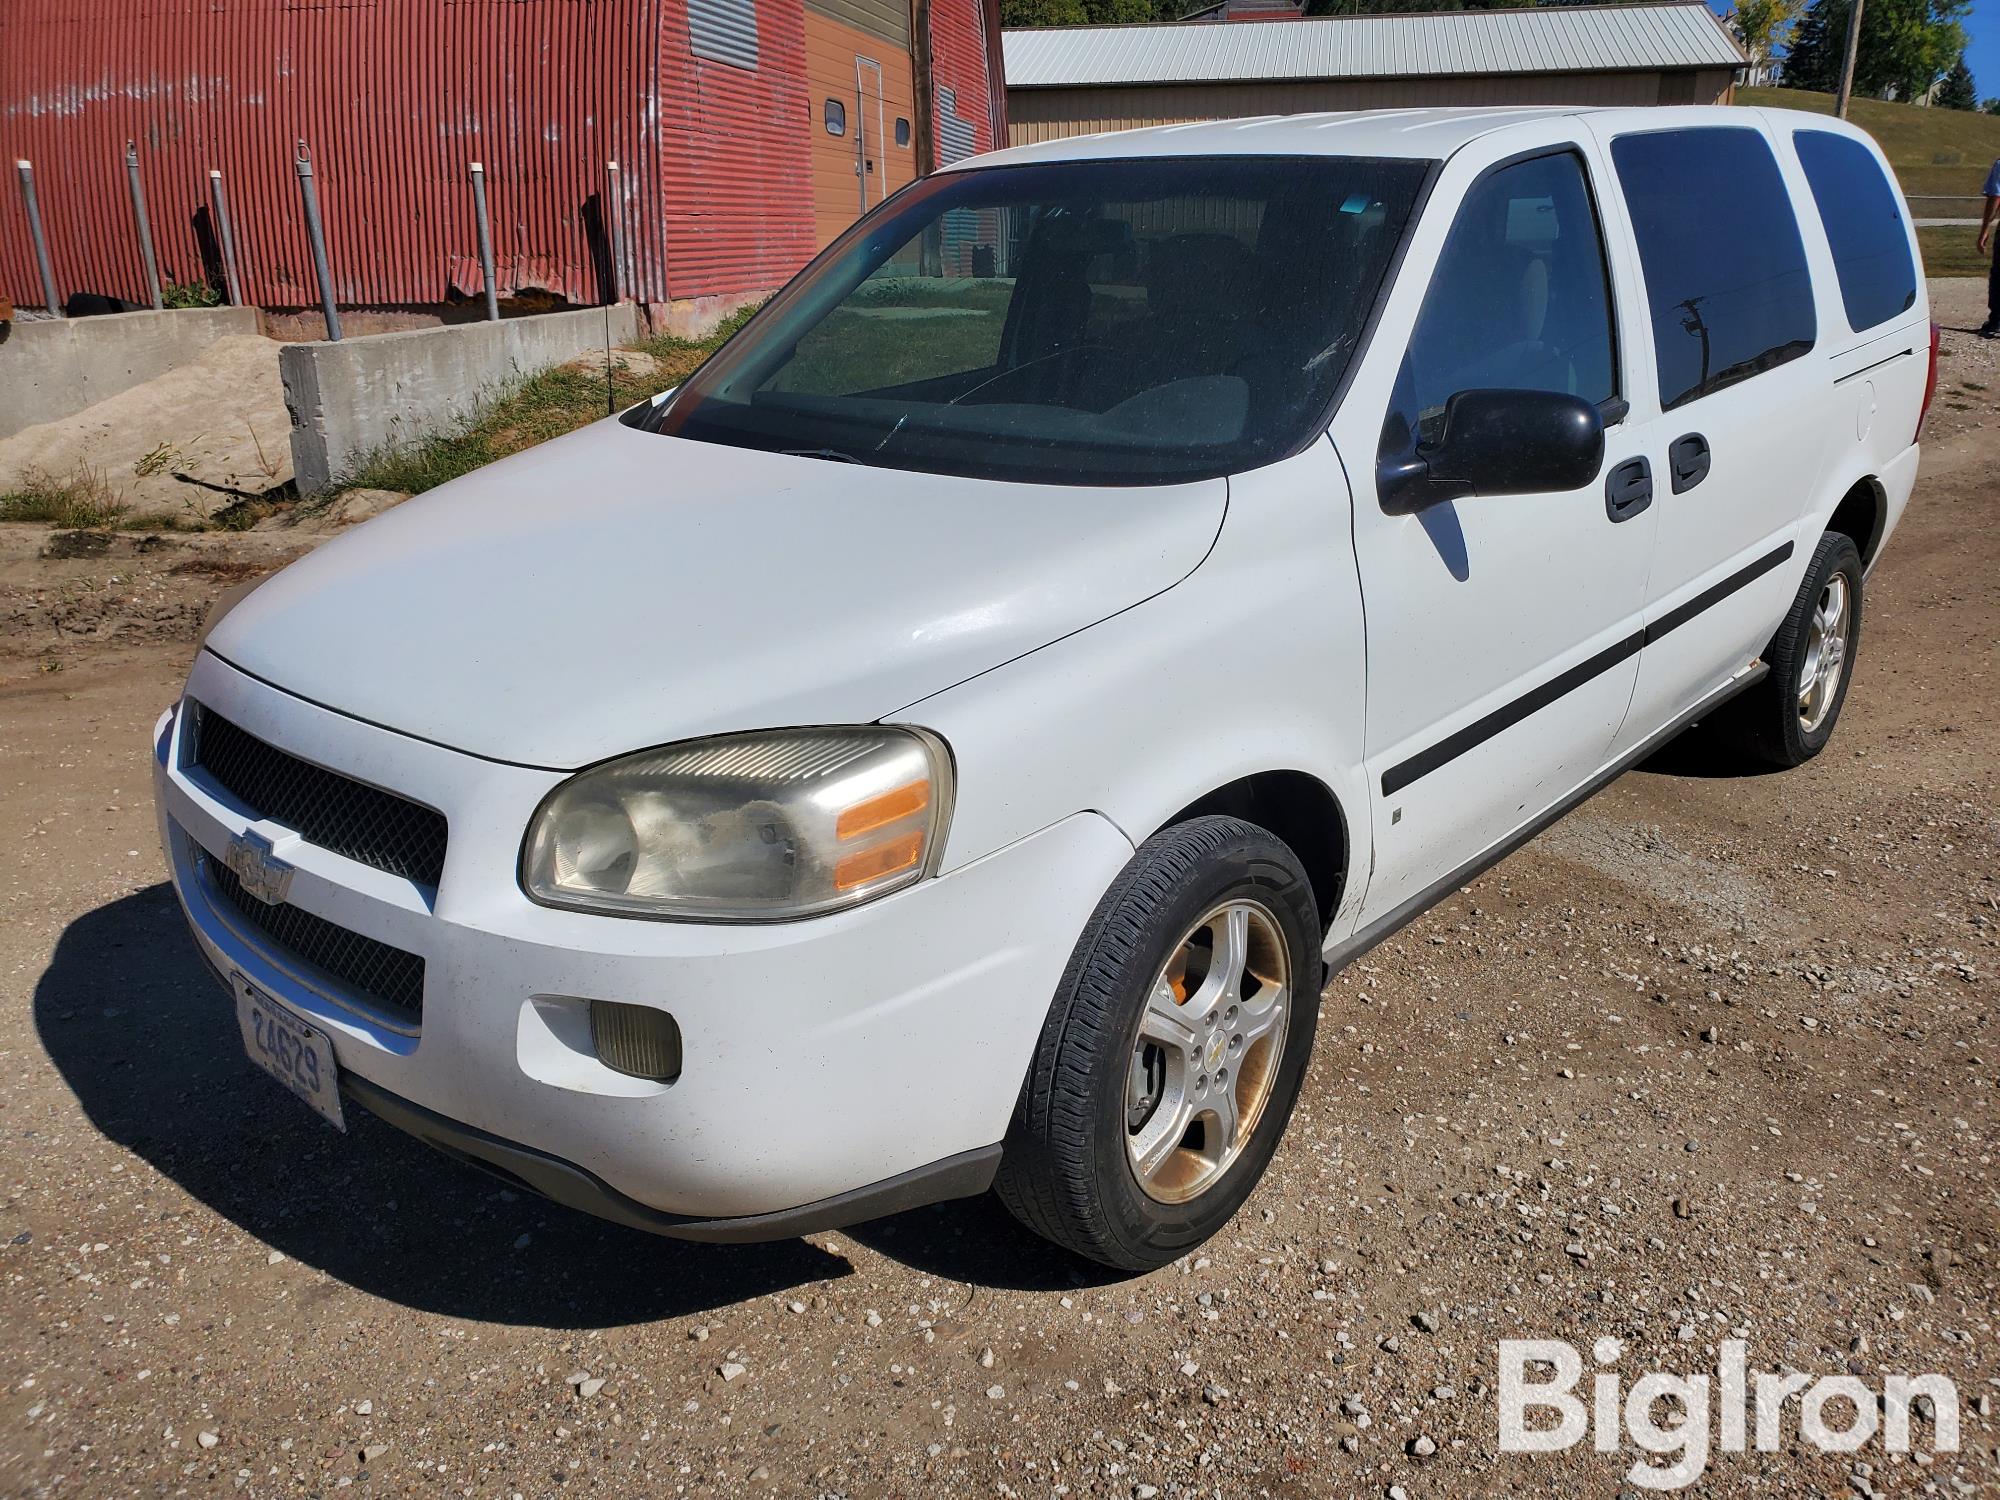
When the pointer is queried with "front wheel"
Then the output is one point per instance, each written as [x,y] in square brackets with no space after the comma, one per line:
[1174,1051]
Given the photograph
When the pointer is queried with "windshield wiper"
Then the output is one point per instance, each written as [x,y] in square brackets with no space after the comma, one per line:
[831,455]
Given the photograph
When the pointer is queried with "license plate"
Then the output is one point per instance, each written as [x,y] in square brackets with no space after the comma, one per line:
[298,1055]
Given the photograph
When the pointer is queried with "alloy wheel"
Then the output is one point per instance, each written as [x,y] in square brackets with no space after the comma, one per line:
[1207,1050]
[1825,660]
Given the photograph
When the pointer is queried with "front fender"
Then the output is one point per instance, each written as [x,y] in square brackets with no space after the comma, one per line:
[1254,662]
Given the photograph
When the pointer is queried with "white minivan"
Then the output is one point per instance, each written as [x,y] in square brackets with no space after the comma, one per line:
[947,743]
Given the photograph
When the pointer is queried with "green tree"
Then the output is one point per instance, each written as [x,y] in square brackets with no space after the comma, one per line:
[1022,13]
[1812,57]
[1957,90]
[1906,45]
[1764,24]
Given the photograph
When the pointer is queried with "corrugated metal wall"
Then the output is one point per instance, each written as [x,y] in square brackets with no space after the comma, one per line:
[738,176]
[1050,114]
[961,86]
[393,97]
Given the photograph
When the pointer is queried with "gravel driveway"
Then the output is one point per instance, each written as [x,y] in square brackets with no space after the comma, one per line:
[1715,1058]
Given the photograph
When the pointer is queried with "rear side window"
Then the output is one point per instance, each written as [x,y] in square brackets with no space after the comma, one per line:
[1864,227]
[1726,280]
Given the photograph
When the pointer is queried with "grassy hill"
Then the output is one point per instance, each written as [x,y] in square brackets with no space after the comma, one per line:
[1941,151]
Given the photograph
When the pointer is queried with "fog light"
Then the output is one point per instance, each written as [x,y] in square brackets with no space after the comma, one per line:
[636,1040]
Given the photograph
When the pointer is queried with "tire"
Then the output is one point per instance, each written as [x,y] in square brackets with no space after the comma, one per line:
[1068,1171]
[1770,724]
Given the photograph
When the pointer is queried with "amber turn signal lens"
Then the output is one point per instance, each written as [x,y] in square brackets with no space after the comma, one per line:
[872,864]
[883,809]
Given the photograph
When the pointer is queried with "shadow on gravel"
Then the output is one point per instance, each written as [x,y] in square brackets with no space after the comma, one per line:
[976,1240]
[146,1038]
[1703,757]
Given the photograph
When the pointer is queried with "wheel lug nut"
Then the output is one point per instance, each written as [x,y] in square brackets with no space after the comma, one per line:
[1201,1083]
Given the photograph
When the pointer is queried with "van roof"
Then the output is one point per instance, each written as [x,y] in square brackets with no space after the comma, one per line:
[1423,133]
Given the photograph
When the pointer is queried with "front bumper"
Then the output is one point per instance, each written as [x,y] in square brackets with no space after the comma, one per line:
[875,1049]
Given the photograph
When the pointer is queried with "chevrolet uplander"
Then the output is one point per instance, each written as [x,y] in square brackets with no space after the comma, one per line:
[947,742]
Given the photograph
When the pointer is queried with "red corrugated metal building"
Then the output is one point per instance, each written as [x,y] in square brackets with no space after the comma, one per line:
[705,105]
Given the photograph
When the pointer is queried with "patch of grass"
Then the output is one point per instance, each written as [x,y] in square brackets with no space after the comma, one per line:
[542,407]
[664,346]
[161,520]
[1949,250]
[80,502]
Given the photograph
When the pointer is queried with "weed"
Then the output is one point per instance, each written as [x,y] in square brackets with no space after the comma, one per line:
[184,294]
[265,463]
[166,458]
[78,503]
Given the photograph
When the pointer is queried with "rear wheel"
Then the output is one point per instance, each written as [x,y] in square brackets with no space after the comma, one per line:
[1788,718]
[1174,1050]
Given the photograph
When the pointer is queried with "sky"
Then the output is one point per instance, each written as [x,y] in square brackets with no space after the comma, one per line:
[1982,29]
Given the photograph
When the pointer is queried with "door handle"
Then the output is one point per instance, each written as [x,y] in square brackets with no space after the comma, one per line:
[1688,457]
[1628,489]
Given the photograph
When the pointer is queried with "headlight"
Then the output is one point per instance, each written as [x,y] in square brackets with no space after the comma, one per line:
[744,828]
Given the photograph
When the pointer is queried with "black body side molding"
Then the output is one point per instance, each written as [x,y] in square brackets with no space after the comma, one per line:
[1480,730]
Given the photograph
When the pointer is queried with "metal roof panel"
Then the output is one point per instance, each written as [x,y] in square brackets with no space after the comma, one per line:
[1550,39]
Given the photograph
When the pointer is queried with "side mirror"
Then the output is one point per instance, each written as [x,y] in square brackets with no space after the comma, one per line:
[1497,443]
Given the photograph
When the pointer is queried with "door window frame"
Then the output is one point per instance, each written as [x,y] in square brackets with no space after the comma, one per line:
[1616,407]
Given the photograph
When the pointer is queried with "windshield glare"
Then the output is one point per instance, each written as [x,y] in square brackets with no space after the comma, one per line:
[1138,321]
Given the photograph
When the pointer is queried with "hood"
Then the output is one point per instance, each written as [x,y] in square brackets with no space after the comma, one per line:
[616,589]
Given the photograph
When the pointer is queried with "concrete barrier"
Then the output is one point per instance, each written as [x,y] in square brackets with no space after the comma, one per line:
[53,367]
[389,390]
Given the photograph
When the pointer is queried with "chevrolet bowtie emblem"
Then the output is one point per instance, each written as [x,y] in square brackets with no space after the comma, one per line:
[262,874]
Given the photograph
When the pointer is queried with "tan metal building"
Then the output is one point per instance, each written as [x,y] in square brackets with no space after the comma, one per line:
[1078,80]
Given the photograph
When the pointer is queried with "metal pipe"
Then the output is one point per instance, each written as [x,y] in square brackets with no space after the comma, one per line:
[309,196]
[49,298]
[614,221]
[144,226]
[485,242]
[226,235]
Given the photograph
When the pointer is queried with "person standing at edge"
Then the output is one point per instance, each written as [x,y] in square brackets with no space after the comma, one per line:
[1990,329]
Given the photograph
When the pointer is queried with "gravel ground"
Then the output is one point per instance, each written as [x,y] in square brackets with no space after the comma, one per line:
[1715,1058]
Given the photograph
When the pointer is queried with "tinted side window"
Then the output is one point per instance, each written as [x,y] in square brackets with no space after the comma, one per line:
[1519,300]
[1726,278]
[1864,227]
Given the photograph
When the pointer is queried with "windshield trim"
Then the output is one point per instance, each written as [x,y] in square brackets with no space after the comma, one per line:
[794,290]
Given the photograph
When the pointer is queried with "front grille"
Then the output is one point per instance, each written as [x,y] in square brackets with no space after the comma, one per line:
[349,817]
[388,976]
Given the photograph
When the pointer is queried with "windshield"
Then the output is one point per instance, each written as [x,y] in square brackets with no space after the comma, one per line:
[1124,322]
